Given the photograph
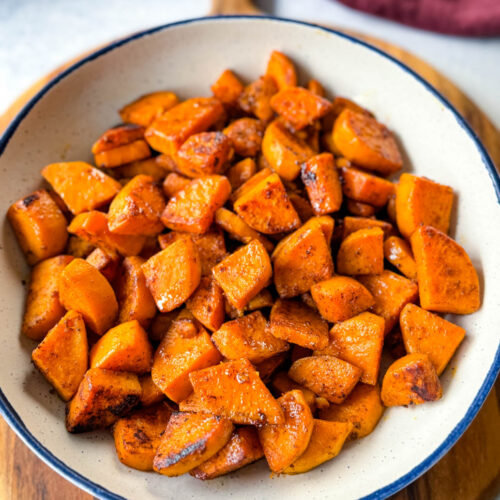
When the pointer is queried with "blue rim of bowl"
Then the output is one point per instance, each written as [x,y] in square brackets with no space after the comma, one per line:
[13,419]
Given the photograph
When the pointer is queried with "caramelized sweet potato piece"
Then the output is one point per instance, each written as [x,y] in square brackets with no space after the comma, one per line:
[447,279]
[366,188]
[240,172]
[316,88]
[411,380]
[245,135]
[255,98]
[207,304]
[151,393]
[146,108]
[353,224]
[398,252]
[267,367]
[341,103]
[282,383]
[362,252]
[359,209]
[281,70]
[107,263]
[227,88]
[118,136]
[427,333]
[174,183]
[302,207]
[135,151]
[83,288]
[78,247]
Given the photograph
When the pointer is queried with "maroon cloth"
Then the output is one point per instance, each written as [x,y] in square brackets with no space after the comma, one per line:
[456,17]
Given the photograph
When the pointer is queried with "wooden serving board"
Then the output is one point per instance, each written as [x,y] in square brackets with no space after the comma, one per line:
[470,470]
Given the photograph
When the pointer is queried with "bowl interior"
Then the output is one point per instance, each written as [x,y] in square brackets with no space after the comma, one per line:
[186,58]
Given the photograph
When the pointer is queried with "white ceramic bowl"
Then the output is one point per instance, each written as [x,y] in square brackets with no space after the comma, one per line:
[63,120]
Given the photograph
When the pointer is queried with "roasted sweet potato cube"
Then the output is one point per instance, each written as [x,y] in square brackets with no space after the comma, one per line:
[284,151]
[43,308]
[103,396]
[362,252]
[207,304]
[411,380]
[341,298]
[282,383]
[263,299]
[293,321]
[285,443]
[118,136]
[302,207]
[353,224]
[281,70]
[171,285]
[366,142]
[327,440]
[427,333]
[244,273]
[447,279]
[234,390]
[174,183]
[253,181]
[359,341]
[78,247]
[341,103]
[227,87]
[62,356]
[326,376]
[138,436]
[240,172]
[107,263]
[192,210]
[193,403]
[146,108]
[391,293]
[189,440]
[255,98]
[84,289]
[359,209]
[267,367]
[398,252]
[121,155]
[366,188]
[316,88]
[245,135]
[247,337]
[242,449]
[170,130]
[422,201]
[151,393]
[149,166]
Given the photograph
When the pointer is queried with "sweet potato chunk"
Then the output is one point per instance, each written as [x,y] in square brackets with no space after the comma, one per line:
[366,142]
[170,130]
[360,209]
[427,333]
[422,201]
[284,151]
[185,348]
[285,443]
[248,185]
[103,396]
[107,263]
[366,188]
[174,183]
[326,442]
[242,449]
[227,88]
[353,224]
[245,135]
[39,226]
[362,408]
[281,70]
[151,393]
[398,252]
[207,304]
[411,380]
[62,356]
[267,367]
[326,376]
[341,298]
[121,155]
[138,436]
[81,186]
[149,166]
[315,87]
[146,108]
[247,337]
[171,285]
[118,136]
[234,390]
[282,383]
[391,293]
[255,98]
[302,207]
[341,103]
[244,273]
[293,321]
[43,308]
[362,252]
[447,279]
[189,440]
[240,172]
[83,288]
[192,210]
[78,247]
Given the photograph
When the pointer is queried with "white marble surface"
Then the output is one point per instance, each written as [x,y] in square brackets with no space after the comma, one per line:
[38,35]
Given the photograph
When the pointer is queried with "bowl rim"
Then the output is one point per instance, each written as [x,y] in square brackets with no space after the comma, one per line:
[17,424]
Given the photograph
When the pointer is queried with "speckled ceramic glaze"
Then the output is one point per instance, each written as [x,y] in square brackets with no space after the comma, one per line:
[66,117]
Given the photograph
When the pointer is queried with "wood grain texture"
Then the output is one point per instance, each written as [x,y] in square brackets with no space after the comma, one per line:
[471,470]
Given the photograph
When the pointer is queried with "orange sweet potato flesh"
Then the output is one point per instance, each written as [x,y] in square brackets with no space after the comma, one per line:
[234,390]
[267,367]
[43,308]
[151,393]
[245,135]
[244,273]
[192,210]
[134,151]
[170,130]
[302,207]
[285,443]
[366,142]
[146,108]
[282,383]
[263,299]
[118,136]
[103,396]
[242,449]
[398,252]
[170,285]
[341,103]
[81,186]
[137,208]
[174,183]
[249,184]
[316,87]
[352,224]
[78,247]
[326,376]
[107,263]
[227,87]
[240,172]
[422,201]
[207,304]
[411,380]
[359,341]
[189,440]
[84,289]
[363,409]
[255,98]
[362,252]
[248,338]
[366,188]
[281,70]
[447,279]
[39,226]
[293,321]
[341,298]
[62,356]
[427,333]
[360,209]
[138,436]
[185,348]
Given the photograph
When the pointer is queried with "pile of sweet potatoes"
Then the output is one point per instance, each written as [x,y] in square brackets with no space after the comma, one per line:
[221,285]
